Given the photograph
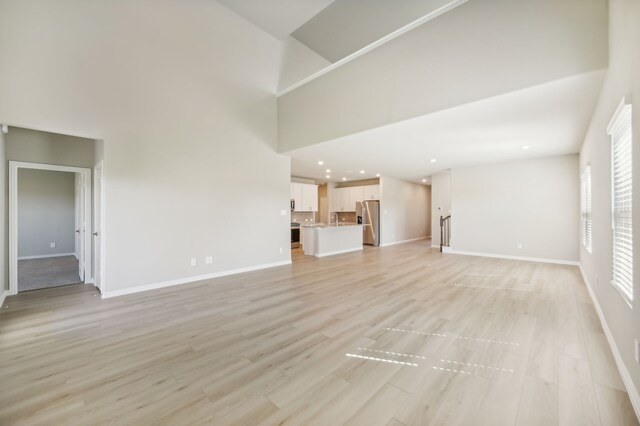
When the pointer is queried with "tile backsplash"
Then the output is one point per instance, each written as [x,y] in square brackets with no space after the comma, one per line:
[347,217]
[310,217]
[302,217]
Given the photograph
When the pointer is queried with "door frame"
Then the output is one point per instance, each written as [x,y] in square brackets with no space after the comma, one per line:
[14,166]
[99,232]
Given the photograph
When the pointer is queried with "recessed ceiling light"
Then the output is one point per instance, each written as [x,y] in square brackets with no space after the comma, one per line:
[344,178]
[377,174]
[424,180]
[433,160]
[361,172]
[320,163]
[328,176]
[526,147]
[328,170]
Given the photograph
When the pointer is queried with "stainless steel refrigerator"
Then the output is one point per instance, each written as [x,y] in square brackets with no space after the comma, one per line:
[368,213]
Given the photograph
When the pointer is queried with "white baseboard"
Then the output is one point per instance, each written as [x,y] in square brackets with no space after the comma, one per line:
[3,295]
[634,396]
[403,242]
[44,256]
[187,280]
[339,252]
[504,256]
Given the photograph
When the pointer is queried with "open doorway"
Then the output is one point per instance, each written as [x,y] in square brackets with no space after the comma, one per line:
[50,241]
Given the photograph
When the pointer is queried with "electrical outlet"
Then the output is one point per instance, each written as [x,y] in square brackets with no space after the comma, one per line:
[208,260]
[281,250]
[283,212]
[637,351]
[194,262]
[52,245]
[519,246]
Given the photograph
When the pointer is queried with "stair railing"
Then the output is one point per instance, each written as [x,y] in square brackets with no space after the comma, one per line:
[445,231]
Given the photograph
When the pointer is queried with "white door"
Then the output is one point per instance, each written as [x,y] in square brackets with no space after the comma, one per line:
[97,224]
[80,225]
[76,249]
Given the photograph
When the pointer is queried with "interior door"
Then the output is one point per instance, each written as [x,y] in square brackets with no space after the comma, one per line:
[80,225]
[76,243]
[97,224]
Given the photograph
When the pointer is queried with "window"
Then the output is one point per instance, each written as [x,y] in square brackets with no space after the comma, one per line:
[621,200]
[586,208]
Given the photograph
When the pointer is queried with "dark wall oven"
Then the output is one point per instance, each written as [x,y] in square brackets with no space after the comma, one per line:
[295,237]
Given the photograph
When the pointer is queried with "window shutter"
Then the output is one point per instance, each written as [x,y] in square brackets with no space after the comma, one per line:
[586,208]
[621,200]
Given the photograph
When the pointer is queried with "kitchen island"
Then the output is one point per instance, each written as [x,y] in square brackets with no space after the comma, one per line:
[325,240]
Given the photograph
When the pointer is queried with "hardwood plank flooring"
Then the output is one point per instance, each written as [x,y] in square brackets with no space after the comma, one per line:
[401,335]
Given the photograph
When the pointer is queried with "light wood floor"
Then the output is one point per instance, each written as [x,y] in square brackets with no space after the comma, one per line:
[391,336]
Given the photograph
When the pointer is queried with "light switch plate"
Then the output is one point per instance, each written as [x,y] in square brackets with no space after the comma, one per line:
[194,262]
[208,260]
[283,212]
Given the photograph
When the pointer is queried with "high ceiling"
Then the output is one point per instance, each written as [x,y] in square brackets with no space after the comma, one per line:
[277,17]
[347,26]
[333,29]
[535,121]
[550,119]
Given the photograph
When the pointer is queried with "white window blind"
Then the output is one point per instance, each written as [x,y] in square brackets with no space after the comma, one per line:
[621,200]
[586,208]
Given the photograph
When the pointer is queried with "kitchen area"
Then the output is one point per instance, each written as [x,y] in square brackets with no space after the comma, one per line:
[334,218]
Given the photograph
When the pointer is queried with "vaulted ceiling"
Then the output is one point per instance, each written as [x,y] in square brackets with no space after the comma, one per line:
[473,85]
[333,29]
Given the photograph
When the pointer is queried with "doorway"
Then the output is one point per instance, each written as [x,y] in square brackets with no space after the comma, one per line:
[50,224]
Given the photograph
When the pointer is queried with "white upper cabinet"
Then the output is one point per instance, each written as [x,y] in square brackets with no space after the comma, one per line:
[305,196]
[371,192]
[342,199]
[355,196]
[309,198]
[296,195]
[345,199]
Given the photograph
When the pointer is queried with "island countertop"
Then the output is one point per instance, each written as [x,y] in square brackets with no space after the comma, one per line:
[328,239]
[331,225]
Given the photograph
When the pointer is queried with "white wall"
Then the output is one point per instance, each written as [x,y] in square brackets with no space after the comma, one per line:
[49,148]
[298,63]
[428,69]
[182,94]
[46,212]
[404,210]
[440,202]
[623,79]
[535,203]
